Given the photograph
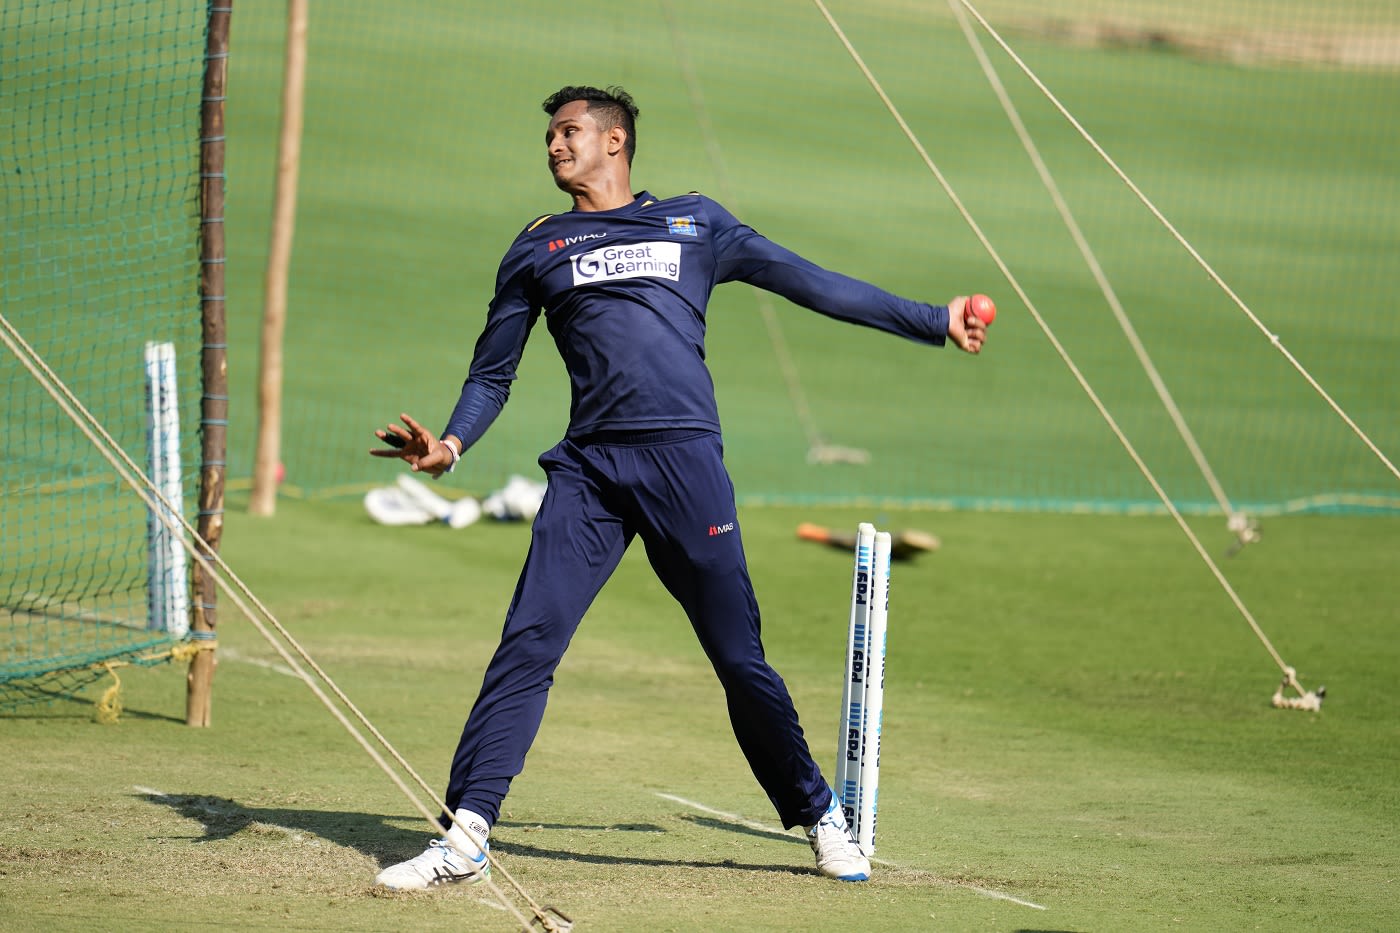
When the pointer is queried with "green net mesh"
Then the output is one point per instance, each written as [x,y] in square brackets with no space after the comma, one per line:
[99,238]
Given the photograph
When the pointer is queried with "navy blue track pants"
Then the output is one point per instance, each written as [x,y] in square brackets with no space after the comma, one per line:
[672,489]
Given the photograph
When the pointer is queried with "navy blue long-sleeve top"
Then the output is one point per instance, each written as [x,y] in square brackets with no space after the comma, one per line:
[624,294]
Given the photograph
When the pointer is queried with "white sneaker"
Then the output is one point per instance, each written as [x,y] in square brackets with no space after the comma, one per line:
[838,855]
[459,857]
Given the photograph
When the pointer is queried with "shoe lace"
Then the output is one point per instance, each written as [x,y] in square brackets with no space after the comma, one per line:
[441,858]
[831,832]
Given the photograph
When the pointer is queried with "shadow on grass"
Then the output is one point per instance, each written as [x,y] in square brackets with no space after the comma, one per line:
[592,858]
[36,705]
[378,836]
[585,827]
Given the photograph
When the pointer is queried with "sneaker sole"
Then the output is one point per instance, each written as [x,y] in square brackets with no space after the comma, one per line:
[475,877]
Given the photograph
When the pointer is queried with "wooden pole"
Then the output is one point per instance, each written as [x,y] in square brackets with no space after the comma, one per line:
[214,359]
[268,454]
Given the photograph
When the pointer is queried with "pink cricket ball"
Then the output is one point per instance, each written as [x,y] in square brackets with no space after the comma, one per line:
[983,307]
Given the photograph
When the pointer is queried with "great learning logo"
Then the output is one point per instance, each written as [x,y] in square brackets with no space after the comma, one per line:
[661,260]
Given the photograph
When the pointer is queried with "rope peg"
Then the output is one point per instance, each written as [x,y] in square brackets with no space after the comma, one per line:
[1309,700]
[545,920]
[1246,530]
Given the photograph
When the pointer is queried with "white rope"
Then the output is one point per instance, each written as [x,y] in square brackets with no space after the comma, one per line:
[1200,260]
[1240,526]
[1289,673]
[208,559]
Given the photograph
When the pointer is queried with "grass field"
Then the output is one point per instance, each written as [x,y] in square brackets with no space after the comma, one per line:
[1078,732]
[1076,718]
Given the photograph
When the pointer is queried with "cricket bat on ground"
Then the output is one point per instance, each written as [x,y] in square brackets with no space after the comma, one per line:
[903,546]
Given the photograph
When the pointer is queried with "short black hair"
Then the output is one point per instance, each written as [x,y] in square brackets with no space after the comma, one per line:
[609,106]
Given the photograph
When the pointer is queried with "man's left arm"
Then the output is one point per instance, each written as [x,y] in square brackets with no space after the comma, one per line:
[744,255]
[783,272]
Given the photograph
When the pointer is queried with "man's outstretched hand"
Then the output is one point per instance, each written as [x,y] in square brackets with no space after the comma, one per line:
[416,446]
[965,329]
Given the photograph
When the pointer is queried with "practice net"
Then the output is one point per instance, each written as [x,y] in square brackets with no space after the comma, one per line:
[99,234]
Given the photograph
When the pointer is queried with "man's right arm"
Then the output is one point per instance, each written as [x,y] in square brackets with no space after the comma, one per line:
[509,318]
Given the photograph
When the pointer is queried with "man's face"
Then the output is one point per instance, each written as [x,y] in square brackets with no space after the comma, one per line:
[577,147]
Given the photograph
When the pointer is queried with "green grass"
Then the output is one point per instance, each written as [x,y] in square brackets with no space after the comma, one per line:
[1077,717]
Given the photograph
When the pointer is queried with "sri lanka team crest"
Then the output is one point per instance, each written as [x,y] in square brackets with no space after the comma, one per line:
[682,226]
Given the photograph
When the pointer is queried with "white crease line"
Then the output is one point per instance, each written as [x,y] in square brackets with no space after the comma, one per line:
[759,827]
[233,654]
[731,817]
